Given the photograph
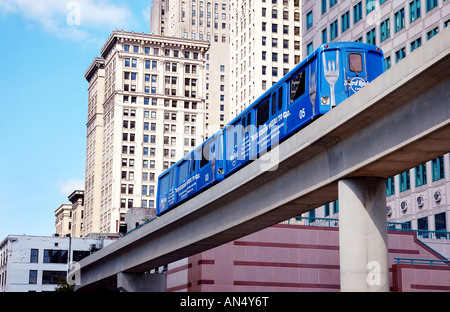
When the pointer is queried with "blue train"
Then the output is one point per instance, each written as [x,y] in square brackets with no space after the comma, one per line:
[324,79]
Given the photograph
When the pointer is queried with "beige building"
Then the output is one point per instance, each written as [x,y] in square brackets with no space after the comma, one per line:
[208,21]
[265,45]
[77,200]
[69,218]
[63,220]
[146,110]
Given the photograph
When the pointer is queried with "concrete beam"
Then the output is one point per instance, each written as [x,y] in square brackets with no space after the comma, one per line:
[398,121]
[141,282]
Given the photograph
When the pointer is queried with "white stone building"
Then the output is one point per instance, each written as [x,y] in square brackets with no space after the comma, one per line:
[36,263]
[418,198]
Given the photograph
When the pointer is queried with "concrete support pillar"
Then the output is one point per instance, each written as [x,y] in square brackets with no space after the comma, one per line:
[363,244]
[141,282]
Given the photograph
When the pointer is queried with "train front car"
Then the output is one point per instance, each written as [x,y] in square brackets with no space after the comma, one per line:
[344,68]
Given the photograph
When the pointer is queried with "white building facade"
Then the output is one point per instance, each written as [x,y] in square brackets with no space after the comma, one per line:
[38,263]
[265,44]
[418,198]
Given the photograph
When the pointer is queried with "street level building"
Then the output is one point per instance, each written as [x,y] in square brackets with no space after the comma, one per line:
[39,263]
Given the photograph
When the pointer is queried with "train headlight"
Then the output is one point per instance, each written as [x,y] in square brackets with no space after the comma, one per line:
[325,100]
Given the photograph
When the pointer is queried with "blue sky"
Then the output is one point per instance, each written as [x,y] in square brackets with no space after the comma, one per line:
[46,47]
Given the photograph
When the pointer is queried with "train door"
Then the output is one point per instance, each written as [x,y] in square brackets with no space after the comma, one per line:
[262,127]
[233,152]
[206,165]
[277,119]
[356,72]
[299,108]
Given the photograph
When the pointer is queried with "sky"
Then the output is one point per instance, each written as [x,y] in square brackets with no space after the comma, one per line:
[45,49]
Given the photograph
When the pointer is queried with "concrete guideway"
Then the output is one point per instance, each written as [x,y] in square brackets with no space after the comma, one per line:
[398,121]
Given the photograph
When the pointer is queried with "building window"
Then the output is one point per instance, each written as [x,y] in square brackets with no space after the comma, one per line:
[390,187]
[404,181]
[437,168]
[421,174]
[309,20]
[324,36]
[52,277]
[387,63]
[414,10]
[400,55]
[371,37]
[370,6]
[415,44]
[431,4]
[345,21]
[333,30]
[399,20]
[385,31]
[357,12]
[336,206]
[432,33]
[440,224]
[324,6]
[55,256]
[309,48]
[32,278]
[34,256]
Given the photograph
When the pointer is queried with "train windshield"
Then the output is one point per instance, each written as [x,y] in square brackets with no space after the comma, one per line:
[355,62]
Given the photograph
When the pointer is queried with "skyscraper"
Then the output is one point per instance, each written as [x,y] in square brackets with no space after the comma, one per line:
[417,198]
[208,21]
[265,45]
[146,110]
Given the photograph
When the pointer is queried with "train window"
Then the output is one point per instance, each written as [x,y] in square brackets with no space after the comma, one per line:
[298,87]
[249,121]
[262,113]
[244,122]
[205,155]
[183,171]
[274,102]
[193,161]
[280,98]
[164,184]
[355,62]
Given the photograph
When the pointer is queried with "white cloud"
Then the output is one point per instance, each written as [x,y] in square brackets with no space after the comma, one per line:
[73,19]
[68,187]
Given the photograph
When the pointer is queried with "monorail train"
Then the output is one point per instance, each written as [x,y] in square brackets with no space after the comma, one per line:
[328,76]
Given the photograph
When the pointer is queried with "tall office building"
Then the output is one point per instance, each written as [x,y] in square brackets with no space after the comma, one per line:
[265,45]
[397,27]
[208,21]
[418,198]
[146,110]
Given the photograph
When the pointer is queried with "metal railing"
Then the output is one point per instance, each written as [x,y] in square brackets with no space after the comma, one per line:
[420,233]
[333,222]
[421,261]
